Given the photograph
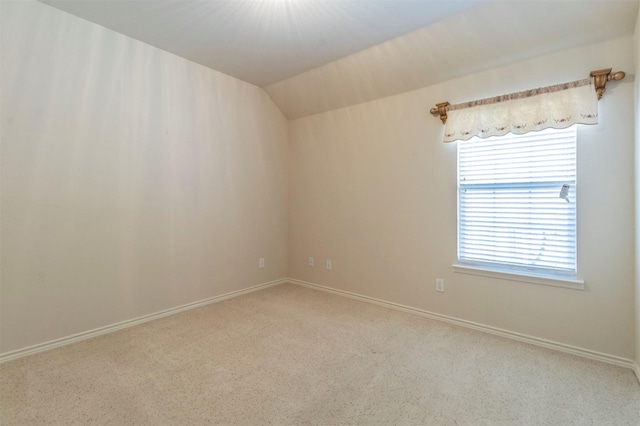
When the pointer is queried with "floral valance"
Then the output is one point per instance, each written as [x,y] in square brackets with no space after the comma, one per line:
[556,106]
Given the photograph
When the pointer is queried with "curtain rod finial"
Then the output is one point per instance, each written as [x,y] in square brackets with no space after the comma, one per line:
[600,78]
[440,110]
[617,76]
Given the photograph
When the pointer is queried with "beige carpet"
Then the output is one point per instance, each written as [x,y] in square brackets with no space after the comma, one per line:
[291,355]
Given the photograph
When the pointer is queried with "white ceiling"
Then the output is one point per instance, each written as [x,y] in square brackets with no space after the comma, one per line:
[316,55]
[262,41]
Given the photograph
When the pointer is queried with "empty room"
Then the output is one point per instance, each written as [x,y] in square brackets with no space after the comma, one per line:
[328,212]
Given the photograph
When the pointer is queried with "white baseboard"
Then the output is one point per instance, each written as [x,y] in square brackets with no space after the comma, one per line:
[585,353]
[41,347]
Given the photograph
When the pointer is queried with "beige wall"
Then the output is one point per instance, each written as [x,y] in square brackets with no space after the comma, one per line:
[637,188]
[373,188]
[132,180]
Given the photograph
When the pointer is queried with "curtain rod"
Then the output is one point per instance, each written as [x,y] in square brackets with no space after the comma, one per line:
[600,78]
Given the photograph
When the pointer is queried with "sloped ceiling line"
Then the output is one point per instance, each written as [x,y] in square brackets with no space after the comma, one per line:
[314,56]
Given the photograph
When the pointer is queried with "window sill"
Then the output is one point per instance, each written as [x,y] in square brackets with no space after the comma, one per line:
[532,279]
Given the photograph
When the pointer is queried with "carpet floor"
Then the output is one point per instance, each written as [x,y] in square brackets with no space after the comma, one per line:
[293,355]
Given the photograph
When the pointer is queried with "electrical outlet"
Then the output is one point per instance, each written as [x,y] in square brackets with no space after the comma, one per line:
[440,285]
[311,263]
[329,265]
[261,263]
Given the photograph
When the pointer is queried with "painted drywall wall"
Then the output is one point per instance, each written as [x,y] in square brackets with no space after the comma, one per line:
[637,188]
[132,180]
[373,188]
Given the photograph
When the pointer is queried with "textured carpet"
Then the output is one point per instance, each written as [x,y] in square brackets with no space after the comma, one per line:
[292,355]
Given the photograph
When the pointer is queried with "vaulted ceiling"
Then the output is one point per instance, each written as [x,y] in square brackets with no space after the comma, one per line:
[316,55]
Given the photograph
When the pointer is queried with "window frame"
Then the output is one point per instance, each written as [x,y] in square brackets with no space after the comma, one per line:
[522,273]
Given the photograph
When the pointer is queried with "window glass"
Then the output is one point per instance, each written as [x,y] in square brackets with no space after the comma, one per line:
[513,214]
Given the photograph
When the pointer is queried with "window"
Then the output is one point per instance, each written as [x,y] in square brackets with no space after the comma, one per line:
[511,217]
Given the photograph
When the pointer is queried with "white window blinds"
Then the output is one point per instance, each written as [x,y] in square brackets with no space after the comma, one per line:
[510,213]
